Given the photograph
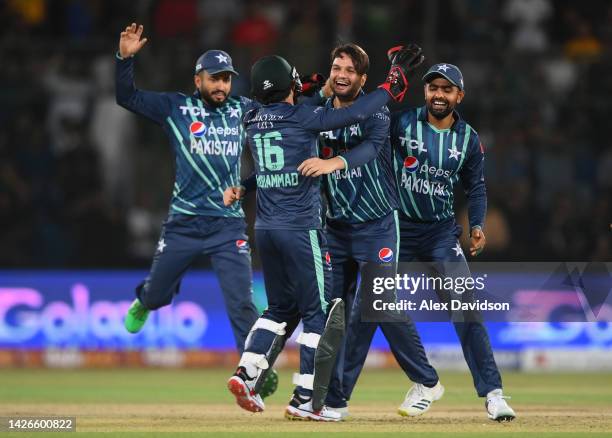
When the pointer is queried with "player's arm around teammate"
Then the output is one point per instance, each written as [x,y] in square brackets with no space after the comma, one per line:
[288,231]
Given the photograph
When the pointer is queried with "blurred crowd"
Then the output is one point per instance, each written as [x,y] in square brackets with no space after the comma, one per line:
[84,183]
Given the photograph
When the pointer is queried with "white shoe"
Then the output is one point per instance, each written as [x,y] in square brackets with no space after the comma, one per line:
[242,388]
[301,409]
[497,407]
[419,399]
[344,412]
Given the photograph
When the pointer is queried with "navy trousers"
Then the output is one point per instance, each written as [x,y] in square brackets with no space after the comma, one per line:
[183,239]
[437,242]
[352,245]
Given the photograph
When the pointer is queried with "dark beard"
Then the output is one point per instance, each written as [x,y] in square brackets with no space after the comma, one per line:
[206,97]
[439,114]
[348,97]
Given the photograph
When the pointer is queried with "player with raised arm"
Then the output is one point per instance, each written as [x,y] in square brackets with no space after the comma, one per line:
[295,262]
[434,148]
[361,228]
[205,131]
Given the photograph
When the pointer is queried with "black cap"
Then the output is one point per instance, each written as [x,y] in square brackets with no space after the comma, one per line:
[271,74]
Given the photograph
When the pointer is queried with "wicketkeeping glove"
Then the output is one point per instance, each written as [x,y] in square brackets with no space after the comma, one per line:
[404,61]
[312,83]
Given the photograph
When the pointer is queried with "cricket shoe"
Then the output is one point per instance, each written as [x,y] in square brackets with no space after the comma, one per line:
[243,389]
[300,408]
[136,317]
[419,399]
[497,407]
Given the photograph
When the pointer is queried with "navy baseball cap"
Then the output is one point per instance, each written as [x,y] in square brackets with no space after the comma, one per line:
[449,72]
[215,61]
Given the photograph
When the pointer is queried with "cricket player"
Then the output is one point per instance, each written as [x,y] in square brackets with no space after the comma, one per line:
[362,227]
[206,134]
[434,148]
[295,261]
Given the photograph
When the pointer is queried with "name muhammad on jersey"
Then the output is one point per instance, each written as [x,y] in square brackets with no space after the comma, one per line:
[271,158]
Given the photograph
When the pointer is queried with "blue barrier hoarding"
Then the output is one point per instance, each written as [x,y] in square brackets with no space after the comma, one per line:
[84,309]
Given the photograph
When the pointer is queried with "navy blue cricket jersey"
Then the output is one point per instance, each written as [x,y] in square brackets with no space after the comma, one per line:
[281,136]
[366,190]
[207,142]
[429,161]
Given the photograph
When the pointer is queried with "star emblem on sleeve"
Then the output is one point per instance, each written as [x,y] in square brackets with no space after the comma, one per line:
[458,250]
[354,130]
[161,245]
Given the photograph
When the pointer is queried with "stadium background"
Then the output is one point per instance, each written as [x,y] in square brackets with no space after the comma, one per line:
[84,185]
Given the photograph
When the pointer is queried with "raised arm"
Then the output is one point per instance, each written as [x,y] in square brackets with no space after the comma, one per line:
[325,119]
[153,105]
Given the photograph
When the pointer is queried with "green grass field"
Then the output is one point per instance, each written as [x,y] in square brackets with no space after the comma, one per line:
[129,402]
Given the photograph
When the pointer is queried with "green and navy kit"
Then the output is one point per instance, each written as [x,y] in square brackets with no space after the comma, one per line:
[429,161]
[365,190]
[281,136]
[207,142]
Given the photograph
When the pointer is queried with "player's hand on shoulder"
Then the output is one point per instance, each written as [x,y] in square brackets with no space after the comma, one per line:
[477,241]
[130,41]
[317,167]
[232,194]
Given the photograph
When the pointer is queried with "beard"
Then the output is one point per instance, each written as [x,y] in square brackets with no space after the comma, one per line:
[207,96]
[347,95]
[440,113]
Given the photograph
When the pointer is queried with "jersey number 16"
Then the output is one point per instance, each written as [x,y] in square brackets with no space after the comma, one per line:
[269,155]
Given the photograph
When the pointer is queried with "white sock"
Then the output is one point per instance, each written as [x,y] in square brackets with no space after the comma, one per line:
[495,393]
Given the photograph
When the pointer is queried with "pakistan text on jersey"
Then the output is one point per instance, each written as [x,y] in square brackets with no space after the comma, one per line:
[347,174]
[276,180]
[214,147]
[423,186]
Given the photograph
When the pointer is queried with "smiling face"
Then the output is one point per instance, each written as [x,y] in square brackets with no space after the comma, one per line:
[214,89]
[441,97]
[345,80]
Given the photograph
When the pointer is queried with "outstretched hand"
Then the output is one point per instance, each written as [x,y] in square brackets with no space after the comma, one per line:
[130,42]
